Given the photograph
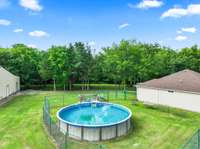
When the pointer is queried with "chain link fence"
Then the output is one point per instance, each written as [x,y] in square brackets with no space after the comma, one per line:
[53,128]
[116,94]
[53,103]
[193,142]
[62,140]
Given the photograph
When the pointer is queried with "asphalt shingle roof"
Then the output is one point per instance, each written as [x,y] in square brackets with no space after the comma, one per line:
[186,80]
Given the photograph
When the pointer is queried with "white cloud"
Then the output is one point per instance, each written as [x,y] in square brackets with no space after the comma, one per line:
[18,30]
[193,9]
[189,29]
[4,22]
[31,4]
[145,4]
[123,25]
[32,46]
[179,32]
[180,38]
[174,12]
[38,34]
[92,43]
[4,3]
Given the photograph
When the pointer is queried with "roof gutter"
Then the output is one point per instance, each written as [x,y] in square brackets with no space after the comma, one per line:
[165,89]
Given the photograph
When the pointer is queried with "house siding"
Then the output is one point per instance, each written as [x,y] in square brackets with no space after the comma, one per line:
[178,99]
[9,84]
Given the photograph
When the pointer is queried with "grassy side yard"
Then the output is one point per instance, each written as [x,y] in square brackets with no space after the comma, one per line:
[21,124]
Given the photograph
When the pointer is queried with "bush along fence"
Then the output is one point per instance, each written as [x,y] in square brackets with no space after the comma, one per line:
[193,142]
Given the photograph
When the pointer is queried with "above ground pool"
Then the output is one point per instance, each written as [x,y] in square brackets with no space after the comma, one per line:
[94,121]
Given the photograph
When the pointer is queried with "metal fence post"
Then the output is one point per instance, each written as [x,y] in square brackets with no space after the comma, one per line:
[199,139]
[49,124]
[108,95]
[125,94]
[43,112]
[44,100]
[116,93]
[63,100]
[49,107]
[65,140]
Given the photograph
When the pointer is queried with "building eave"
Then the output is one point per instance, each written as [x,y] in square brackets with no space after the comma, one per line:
[166,89]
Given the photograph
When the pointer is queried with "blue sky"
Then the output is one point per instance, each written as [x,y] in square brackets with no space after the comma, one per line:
[42,23]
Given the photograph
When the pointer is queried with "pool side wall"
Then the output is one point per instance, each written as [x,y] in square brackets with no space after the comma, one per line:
[95,133]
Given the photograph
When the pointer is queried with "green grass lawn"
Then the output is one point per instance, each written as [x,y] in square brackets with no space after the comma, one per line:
[21,125]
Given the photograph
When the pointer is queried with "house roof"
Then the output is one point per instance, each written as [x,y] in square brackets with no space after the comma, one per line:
[186,80]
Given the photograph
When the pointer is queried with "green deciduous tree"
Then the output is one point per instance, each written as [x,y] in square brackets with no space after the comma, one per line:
[125,63]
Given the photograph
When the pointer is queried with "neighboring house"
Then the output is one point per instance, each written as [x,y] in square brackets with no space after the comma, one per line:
[9,83]
[180,90]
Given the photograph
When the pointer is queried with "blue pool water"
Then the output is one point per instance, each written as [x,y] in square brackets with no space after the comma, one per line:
[94,114]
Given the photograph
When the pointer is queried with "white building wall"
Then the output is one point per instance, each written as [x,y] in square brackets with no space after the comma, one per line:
[9,83]
[183,100]
[147,95]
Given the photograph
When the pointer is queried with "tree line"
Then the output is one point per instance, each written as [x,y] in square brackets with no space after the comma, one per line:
[128,62]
